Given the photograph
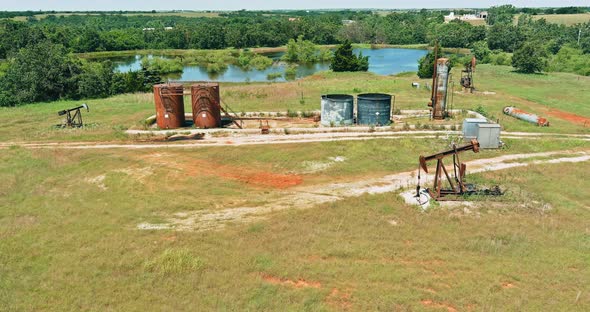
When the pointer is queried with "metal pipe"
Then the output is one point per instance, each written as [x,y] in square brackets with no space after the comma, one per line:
[522,115]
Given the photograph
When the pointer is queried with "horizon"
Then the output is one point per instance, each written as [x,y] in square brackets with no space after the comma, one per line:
[263,5]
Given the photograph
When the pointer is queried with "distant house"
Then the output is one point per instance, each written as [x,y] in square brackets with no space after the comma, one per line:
[149,29]
[293,19]
[168,28]
[479,18]
[348,22]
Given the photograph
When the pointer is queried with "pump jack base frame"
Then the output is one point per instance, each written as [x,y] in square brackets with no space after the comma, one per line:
[470,190]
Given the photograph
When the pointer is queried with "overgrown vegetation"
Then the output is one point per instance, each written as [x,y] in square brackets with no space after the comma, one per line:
[346,61]
[304,52]
[47,72]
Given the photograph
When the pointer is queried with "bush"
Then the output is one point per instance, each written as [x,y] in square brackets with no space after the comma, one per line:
[570,59]
[529,58]
[216,67]
[274,76]
[162,65]
[291,73]
[481,51]
[500,58]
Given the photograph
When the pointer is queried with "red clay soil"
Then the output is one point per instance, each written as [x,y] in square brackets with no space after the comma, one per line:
[573,118]
[196,167]
[280,181]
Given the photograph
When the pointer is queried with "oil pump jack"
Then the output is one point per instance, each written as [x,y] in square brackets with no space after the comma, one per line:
[440,84]
[73,120]
[467,76]
[457,185]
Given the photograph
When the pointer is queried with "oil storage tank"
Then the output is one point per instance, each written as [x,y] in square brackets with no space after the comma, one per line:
[169,105]
[337,110]
[374,109]
[206,105]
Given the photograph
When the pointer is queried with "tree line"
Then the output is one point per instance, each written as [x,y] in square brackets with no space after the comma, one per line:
[39,64]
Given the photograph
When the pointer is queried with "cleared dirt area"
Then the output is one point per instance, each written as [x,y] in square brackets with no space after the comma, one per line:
[307,197]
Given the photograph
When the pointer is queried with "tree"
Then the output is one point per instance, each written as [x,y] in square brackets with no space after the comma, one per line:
[426,66]
[346,61]
[481,51]
[42,72]
[502,15]
[530,58]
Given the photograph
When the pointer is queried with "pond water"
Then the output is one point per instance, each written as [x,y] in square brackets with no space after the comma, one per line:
[386,61]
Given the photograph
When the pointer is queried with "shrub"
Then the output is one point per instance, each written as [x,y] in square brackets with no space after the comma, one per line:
[274,76]
[529,58]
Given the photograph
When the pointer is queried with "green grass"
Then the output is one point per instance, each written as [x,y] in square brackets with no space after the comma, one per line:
[67,244]
[534,93]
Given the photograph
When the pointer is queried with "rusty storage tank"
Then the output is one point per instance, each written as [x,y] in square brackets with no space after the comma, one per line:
[169,105]
[337,110]
[206,105]
[374,109]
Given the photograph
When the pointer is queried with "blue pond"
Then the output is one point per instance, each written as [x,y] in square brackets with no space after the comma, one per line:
[381,61]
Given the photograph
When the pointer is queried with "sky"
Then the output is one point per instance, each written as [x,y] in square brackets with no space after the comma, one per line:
[198,5]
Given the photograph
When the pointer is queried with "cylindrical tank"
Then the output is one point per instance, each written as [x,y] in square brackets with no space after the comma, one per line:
[520,114]
[337,110]
[206,105]
[374,109]
[169,105]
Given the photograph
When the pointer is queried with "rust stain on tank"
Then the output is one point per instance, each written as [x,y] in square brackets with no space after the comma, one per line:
[206,105]
[169,105]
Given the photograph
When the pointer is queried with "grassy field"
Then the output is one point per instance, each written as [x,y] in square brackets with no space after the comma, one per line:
[68,218]
[565,19]
[68,240]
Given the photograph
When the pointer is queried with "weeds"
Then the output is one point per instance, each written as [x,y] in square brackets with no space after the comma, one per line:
[174,261]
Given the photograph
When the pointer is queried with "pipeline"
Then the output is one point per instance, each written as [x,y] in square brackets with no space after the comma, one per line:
[520,114]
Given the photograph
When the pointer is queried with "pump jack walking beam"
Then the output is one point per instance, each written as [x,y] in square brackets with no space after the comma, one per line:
[457,185]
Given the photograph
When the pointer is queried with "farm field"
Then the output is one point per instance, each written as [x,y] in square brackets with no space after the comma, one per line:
[564,19]
[184,228]
[188,14]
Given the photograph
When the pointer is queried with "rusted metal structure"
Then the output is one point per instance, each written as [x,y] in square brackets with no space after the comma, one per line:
[73,120]
[264,127]
[467,76]
[522,115]
[206,104]
[440,84]
[457,184]
[169,105]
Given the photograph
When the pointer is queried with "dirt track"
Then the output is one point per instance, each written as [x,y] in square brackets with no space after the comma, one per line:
[209,141]
[308,197]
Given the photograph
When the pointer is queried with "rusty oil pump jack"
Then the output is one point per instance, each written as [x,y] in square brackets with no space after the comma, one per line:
[457,183]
